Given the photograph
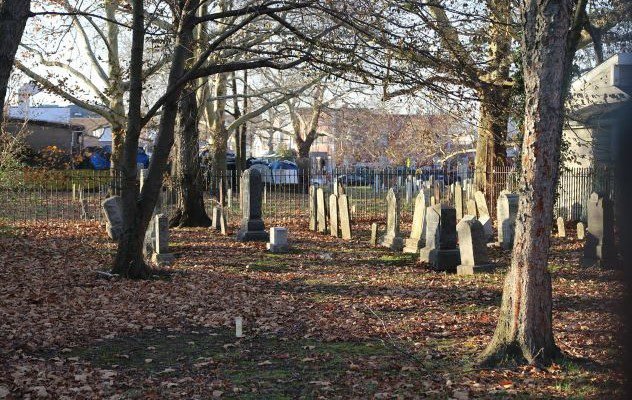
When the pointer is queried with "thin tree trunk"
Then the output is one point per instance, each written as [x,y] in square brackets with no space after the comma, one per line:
[524,332]
[190,210]
[13,17]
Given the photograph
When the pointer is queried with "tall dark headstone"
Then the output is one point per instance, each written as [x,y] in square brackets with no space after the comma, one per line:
[472,247]
[458,201]
[252,226]
[600,247]
[313,208]
[440,250]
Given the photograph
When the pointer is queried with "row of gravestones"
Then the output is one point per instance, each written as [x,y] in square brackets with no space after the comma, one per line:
[156,244]
[333,216]
[435,231]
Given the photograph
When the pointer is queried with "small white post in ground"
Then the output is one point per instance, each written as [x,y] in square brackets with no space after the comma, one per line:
[239,327]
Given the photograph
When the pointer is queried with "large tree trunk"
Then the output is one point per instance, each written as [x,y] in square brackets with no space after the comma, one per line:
[13,17]
[137,210]
[491,150]
[524,331]
[190,211]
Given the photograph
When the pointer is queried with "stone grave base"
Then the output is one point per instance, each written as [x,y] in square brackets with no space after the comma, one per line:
[276,248]
[412,245]
[474,269]
[440,259]
[162,259]
[395,243]
[252,231]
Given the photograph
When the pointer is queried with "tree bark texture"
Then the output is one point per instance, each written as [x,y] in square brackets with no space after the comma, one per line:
[524,332]
[188,180]
[13,17]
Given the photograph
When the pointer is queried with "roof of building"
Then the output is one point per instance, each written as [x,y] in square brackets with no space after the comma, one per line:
[74,127]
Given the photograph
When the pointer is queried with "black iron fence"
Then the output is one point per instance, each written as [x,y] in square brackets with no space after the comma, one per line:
[45,194]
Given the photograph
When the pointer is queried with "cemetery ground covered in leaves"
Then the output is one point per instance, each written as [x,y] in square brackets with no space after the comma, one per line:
[331,319]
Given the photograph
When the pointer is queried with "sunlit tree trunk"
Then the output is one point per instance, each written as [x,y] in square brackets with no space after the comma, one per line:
[524,332]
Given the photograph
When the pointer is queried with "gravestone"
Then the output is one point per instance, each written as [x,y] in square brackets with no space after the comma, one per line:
[458,200]
[417,234]
[313,207]
[223,224]
[216,216]
[392,239]
[252,226]
[83,204]
[581,231]
[481,204]
[483,214]
[561,229]
[472,247]
[471,207]
[333,215]
[321,210]
[344,216]
[440,250]
[374,234]
[113,212]
[437,192]
[506,211]
[599,247]
[161,255]
[409,189]
[278,240]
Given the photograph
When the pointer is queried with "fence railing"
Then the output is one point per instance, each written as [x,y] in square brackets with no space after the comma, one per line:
[71,195]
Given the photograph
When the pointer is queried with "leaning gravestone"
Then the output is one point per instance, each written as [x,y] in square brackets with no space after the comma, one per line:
[321,210]
[374,234]
[344,216]
[561,229]
[313,207]
[472,247]
[333,215]
[471,207]
[483,214]
[581,231]
[506,211]
[392,239]
[161,255]
[415,241]
[599,247]
[458,200]
[278,240]
[252,226]
[440,250]
[113,212]
[437,191]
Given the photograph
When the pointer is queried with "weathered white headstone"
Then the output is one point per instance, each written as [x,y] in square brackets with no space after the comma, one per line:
[458,200]
[374,234]
[113,212]
[313,208]
[471,207]
[333,216]
[581,231]
[481,204]
[417,232]
[561,229]
[216,214]
[278,240]
[321,210]
[344,216]
[392,239]
[472,247]
[161,254]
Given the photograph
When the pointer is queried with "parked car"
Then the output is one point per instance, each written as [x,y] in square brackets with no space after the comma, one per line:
[354,180]
[284,172]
